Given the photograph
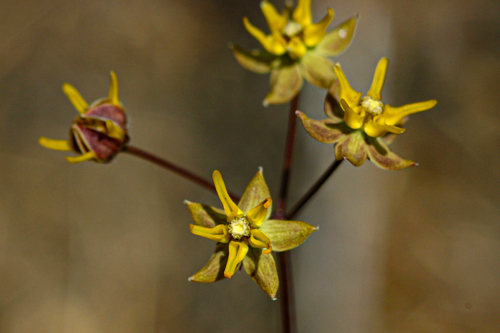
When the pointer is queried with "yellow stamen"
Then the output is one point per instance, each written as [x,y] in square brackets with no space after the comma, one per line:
[394,116]
[257,215]
[82,158]
[230,208]
[218,233]
[377,127]
[113,90]
[350,95]
[353,117]
[260,240]
[275,20]
[75,98]
[314,33]
[296,48]
[62,145]
[237,252]
[375,91]
[302,13]
[271,43]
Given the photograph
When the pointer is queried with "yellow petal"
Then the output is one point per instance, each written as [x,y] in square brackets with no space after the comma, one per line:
[353,117]
[377,127]
[271,43]
[75,98]
[113,90]
[63,145]
[275,20]
[237,252]
[257,215]
[218,233]
[302,13]
[114,130]
[296,48]
[375,91]
[350,95]
[230,208]
[260,240]
[314,33]
[394,116]
[82,158]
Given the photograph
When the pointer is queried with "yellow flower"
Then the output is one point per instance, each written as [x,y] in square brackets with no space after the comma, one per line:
[296,48]
[99,132]
[360,125]
[245,234]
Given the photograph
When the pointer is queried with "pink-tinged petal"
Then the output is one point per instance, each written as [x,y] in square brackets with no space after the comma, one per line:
[104,147]
[317,70]
[108,111]
[338,40]
[326,130]
[285,85]
[255,193]
[286,235]
[214,269]
[205,215]
[333,110]
[380,154]
[257,61]
[352,148]
[262,269]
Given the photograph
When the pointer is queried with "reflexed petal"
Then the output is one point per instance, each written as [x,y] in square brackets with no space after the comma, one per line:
[350,95]
[377,127]
[352,148]
[314,33]
[394,116]
[285,84]
[286,235]
[256,61]
[237,252]
[317,70]
[270,43]
[338,40]
[375,91]
[214,269]
[275,20]
[255,192]
[75,98]
[333,110]
[262,269]
[82,158]
[326,130]
[113,90]
[296,48]
[257,215]
[380,154]
[63,145]
[205,215]
[232,211]
[353,117]
[218,233]
[259,240]
[302,13]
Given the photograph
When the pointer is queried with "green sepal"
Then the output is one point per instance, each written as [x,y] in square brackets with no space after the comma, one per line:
[285,84]
[326,130]
[353,148]
[257,61]
[262,269]
[317,69]
[380,154]
[286,235]
[214,269]
[205,215]
[255,193]
[338,40]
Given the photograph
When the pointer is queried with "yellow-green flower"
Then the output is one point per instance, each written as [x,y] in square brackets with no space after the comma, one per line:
[295,49]
[360,125]
[244,234]
[99,132]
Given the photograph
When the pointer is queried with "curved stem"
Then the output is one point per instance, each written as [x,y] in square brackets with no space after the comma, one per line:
[316,186]
[174,168]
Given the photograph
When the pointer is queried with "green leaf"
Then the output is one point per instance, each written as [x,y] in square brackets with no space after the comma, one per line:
[214,269]
[286,235]
[336,41]
[205,215]
[262,269]
[285,84]
[352,148]
[317,69]
[380,154]
[326,130]
[257,61]
[255,193]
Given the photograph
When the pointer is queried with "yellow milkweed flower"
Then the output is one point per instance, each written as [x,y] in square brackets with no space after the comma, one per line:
[296,48]
[99,132]
[245,234]
[362,126]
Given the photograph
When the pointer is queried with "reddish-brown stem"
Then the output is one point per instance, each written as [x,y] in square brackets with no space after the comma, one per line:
[174,168]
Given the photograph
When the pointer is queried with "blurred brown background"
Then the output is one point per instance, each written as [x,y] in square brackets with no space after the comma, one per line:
[106,248]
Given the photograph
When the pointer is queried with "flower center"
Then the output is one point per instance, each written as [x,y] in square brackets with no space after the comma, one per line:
[239,227]
[292,28]
[371,105]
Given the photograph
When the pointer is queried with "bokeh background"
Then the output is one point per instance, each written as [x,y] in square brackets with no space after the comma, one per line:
[106,248]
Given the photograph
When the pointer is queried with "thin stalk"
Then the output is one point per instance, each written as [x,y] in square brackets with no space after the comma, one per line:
[314,188]
[174,168]
[288,317]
